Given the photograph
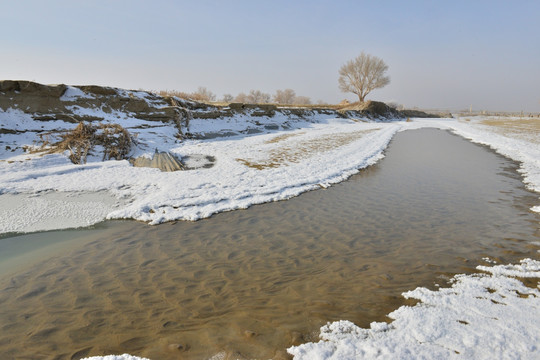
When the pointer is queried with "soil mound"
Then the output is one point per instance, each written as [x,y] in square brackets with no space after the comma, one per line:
[379,110]
[372,109]
[67,103]
[421,114]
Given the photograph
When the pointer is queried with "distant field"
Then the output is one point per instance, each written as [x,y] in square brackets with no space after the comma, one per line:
[525,128]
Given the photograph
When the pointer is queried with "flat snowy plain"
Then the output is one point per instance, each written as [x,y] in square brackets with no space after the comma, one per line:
[484,316]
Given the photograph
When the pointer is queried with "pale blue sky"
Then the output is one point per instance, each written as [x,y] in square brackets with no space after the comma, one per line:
[448,55]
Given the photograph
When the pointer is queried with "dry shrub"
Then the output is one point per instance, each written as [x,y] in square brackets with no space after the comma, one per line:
[78,142]
[202,94]
[179,94]
[115,140]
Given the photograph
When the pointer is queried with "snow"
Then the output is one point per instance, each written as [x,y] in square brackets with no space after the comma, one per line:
[482,316]
[42,212]
[115,357]
[526,269]
[73,94]
[151,99]
[15,119]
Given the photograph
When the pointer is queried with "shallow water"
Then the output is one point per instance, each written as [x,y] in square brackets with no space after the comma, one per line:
[253,282]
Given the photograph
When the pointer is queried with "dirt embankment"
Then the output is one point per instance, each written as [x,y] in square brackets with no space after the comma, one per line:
[68,103]
[374,110]
[377,109]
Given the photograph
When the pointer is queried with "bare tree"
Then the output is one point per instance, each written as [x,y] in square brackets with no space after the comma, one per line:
[203,94]
[241,98]
[227,98]
[286,96]
[302,100]
[258,97]
[362,75]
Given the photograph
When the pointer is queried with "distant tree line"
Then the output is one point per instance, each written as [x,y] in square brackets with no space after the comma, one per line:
[284,97]
[202,94]
[359,76]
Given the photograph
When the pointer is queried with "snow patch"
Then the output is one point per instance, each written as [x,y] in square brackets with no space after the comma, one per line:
[74,94]
[115,357]
[44,212]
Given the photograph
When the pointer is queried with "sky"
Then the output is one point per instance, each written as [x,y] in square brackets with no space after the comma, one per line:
[441,55]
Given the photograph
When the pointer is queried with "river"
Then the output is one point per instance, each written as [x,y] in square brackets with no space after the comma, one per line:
[250,283]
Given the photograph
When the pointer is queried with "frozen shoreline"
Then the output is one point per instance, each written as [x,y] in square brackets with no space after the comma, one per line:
[482,316]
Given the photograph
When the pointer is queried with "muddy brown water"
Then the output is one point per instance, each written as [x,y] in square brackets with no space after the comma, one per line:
[250,283]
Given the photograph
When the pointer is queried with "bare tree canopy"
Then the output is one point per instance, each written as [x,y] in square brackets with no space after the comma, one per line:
[241,98]
[258,97]
[227,98]
[254,97]
[286,96]
[362,75]
[302,100]
[202,94]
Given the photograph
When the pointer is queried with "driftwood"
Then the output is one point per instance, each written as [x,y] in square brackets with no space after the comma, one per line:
[160,160]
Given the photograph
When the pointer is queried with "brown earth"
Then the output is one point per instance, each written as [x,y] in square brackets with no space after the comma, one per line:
[45,103]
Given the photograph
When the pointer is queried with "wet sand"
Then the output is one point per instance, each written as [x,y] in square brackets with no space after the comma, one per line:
[250,283]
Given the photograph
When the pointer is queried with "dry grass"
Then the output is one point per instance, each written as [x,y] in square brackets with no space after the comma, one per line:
[310,106]
[179,94]
[297,151]
[513,123]
[282,137]
[194,96]
[523,128]
[115,140]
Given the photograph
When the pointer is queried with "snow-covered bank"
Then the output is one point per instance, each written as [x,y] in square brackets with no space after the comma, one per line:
[247,169]
[482,316]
